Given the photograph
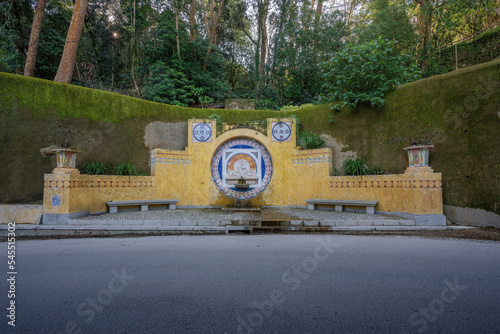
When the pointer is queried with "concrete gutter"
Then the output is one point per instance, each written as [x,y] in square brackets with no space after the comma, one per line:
[25,230]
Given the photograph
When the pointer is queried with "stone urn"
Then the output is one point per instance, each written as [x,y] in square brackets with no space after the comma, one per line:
[66,161]
[418,159]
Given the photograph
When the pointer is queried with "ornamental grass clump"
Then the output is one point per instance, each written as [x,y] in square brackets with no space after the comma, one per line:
[94,168]
[311,140]
[354,167]
[358,167]
[125,169]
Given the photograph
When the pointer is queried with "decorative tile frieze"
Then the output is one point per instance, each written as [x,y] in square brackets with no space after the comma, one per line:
[311,160]
[410,184]
[175,161]
[99,184]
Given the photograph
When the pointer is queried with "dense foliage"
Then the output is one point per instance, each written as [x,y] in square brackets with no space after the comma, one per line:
[188,52]
[365,72]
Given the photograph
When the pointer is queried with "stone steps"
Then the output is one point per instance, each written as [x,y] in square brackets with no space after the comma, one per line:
[256,223]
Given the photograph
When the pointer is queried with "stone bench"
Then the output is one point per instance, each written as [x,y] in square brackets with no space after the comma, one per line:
[113,205]
[339,204]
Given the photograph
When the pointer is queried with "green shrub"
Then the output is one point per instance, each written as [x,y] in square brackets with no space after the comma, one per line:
[168,84]
[294,108]
[94,168]
[355,167]
[311,140]
[125,169]
[297,122]
[376,171]
[267,104]
[217,118]
[365,72]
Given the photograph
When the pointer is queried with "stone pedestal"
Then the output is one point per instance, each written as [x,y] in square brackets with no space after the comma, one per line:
[418,169]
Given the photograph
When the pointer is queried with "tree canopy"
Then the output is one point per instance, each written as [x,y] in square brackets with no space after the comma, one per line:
[278,52]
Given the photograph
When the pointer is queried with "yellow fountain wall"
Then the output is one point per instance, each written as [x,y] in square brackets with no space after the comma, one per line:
[298,175]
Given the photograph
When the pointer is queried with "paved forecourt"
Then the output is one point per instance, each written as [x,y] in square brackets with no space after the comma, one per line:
[218,221]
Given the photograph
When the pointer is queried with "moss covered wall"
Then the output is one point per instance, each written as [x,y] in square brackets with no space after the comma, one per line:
[464,104]
[28,107]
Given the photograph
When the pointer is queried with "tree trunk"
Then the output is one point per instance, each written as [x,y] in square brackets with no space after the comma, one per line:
[263,42]
[351,9]
[319,11]
[132,46]
[67,64]
[177,28]
[192,21]
[29,66]
[424,23]
[212,30]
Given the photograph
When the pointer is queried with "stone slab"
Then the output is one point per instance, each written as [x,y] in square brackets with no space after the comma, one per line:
[470,216]
[20,213]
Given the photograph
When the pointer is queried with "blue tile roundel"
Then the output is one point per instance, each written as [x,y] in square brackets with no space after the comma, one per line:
[202,132]
[241,157]
[281,131]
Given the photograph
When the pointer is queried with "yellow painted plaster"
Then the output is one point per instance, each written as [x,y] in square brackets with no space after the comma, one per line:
[298,175]
[91,192]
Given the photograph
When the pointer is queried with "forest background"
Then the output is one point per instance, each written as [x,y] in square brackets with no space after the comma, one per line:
[193,52]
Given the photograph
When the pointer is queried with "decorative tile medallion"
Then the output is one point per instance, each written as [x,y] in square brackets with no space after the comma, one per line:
[282,131]
[241,157]
[202,132]
[56,200]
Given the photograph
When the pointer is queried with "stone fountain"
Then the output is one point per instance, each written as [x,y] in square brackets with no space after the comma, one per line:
[241,176]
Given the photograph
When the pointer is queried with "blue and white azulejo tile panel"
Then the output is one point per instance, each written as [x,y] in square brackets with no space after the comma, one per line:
[311,160]
[282,131]
[202,132]
[242,149]
[177,161]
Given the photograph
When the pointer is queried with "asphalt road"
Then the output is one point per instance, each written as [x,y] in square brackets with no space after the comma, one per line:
[254,284]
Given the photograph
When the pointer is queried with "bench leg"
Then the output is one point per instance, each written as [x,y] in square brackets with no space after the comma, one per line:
[113,209]
[311,206]
[370,209]
[144,207]
[338,208]
[171,206]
